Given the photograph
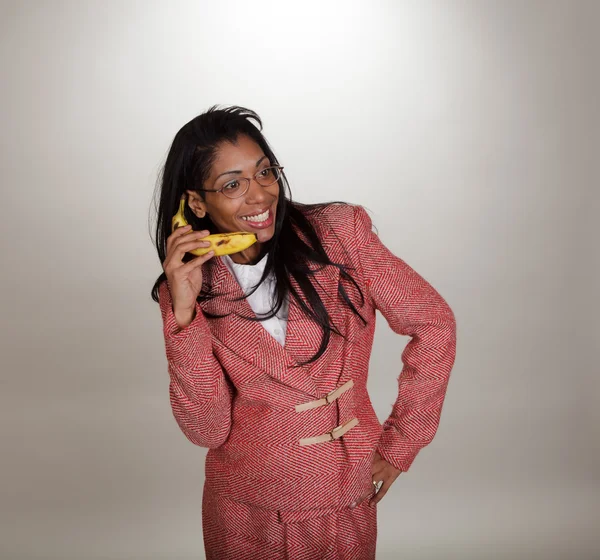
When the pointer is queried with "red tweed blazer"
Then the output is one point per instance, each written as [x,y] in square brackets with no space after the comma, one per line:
[234,389]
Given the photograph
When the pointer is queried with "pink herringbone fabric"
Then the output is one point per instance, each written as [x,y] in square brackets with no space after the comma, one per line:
[233,387]
[236,531]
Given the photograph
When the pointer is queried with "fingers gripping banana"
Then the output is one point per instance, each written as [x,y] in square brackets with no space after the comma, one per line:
[220,243]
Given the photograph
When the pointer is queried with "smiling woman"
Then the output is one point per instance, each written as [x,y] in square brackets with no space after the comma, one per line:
[251,193]
[268,350]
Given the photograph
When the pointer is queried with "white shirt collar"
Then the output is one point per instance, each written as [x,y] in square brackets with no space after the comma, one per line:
[246,274]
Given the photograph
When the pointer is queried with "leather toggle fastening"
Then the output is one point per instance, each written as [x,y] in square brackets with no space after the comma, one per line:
[327,399]
[330,436]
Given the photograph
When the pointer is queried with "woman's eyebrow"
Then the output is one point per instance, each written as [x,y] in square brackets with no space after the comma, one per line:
[237,171]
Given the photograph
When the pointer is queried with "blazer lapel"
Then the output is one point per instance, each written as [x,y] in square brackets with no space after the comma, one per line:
[241,336]
[251,341]
[303,336]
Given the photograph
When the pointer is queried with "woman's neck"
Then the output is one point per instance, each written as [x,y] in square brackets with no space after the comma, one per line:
[251,255]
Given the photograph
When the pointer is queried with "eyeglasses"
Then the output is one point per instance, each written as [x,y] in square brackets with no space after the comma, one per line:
[239,186]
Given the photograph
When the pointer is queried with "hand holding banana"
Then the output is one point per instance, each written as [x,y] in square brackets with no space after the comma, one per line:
[185,279]
[219,243]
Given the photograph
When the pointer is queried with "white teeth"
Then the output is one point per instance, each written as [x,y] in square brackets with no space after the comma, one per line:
[259,218]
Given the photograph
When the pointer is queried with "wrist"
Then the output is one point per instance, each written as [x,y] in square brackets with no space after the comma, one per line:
[184,317]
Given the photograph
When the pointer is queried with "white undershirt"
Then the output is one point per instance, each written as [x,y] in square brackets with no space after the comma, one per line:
[261,301]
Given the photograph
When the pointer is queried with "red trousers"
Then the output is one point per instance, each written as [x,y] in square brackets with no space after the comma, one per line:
[236,531]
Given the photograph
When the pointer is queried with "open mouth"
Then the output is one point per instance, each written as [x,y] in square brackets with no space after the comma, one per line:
[260,221]
[258,218]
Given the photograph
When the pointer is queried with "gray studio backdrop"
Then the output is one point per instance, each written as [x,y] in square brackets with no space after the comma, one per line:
[470,130]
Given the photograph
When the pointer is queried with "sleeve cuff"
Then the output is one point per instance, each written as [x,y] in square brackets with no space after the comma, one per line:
[184,345]
[396,450]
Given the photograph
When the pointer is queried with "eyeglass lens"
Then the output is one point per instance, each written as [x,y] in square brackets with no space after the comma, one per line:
[266,177]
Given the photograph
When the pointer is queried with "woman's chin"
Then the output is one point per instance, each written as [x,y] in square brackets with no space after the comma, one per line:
[264,235]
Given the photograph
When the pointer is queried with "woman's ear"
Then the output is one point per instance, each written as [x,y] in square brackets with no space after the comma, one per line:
[196,203]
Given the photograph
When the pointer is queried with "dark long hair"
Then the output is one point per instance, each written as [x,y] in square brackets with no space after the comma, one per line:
[188,165]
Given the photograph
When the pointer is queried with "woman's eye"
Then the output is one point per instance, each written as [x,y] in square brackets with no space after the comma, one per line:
[231,186]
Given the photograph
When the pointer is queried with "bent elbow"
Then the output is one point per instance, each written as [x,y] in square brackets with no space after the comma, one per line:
[204,423]
[210,437]
[445,322]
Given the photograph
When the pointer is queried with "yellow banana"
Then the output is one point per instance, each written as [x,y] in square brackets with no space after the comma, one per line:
[220,243]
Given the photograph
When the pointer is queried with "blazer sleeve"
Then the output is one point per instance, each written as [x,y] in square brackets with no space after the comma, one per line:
[412,307]
[199,392]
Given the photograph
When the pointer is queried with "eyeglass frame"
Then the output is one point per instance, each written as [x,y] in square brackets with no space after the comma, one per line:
[248,182]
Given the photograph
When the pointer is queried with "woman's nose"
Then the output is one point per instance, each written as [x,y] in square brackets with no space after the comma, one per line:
[255,192]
